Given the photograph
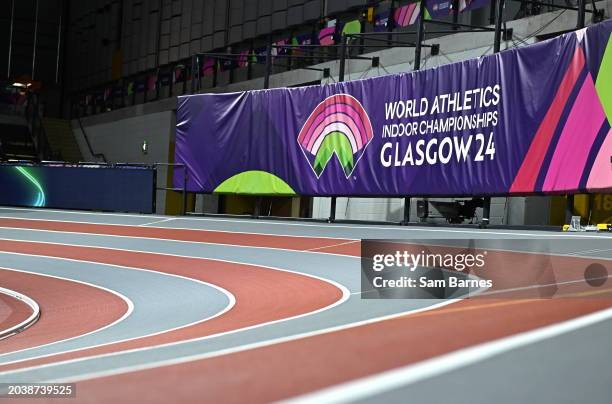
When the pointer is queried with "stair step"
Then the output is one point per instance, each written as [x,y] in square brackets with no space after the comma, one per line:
[61,139]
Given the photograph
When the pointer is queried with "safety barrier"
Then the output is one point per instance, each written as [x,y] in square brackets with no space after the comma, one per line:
[89,186]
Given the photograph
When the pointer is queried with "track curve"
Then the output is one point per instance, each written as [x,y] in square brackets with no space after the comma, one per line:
[260,292]
[157,303]
[17,312]
[63,318]
[340,341]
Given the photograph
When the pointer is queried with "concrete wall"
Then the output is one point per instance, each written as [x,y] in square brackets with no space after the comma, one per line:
[127,133]
[121,141]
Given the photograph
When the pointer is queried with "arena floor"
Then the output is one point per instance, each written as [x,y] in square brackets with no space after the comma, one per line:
[172,309]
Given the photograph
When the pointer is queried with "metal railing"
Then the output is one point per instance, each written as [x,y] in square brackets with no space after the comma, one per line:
[38,133]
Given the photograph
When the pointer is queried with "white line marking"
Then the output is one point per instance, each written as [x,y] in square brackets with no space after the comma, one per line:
[212,243]
[155,222]
[370,386]
[29,321]
[313,250]
[342,288]
[390,228]
[76,212]
[190,358]
[346,293]
[583,280]
[169,228]
[578,253]
[174,240]
[128,312]
[229,295]
[255,345]
[333,245]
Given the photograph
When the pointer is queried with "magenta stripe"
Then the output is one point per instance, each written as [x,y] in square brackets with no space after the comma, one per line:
[400,14]
[332,110]
[320,129]
[404,16]
[577,137]
[326,129]
[340,99]
[313,121]
[600,177]
[326,35]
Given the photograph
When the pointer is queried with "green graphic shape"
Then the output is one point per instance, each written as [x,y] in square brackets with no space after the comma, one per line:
[40,199]
[335,143]
[256,183]
[603,85]
[352,27]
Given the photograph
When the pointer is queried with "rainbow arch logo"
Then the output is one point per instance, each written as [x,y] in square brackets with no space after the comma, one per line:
[339,126]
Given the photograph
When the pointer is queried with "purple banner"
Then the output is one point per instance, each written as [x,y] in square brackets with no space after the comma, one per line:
[525,121]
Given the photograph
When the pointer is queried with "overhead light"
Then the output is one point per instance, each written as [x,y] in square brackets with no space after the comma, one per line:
[21,85]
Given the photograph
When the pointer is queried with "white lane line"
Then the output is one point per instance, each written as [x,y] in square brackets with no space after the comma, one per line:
[29,321]
[342,288]
[155,222]
[327,227]
[241,348]
[346,294]
[579,253]
[143,238]
[333,245]
[583,280]
[229,295]
[212,243]
[128,312]
[246,233]
[370,386]
[77,212]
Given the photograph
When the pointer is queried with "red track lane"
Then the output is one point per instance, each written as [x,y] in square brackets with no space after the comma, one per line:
[63,306]
[262,295]
[291,368]
[12,312]
[207,236]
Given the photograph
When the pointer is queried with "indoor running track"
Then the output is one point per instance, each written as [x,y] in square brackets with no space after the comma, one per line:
[140,308]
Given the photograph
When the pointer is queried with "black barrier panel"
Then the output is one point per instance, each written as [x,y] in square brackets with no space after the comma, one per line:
[89,187]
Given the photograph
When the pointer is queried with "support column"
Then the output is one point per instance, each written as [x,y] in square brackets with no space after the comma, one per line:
[10,47]
[406,211]
[417,66]
[35,41]
[569,208]
[268,66]
[332,210]
[257,211]
[419,38]
[332,207]
[486,211]
[581,13]
[499,14]
[193,74]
